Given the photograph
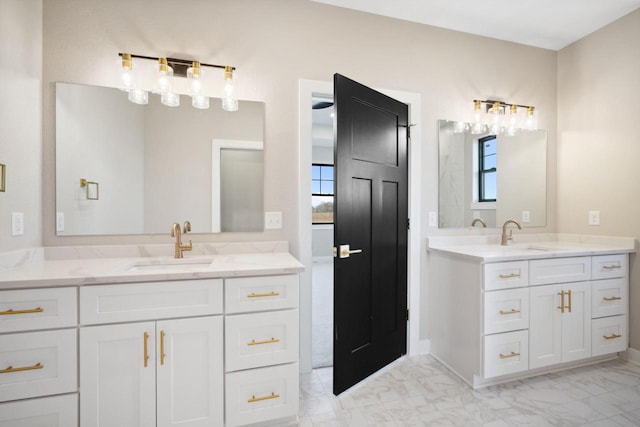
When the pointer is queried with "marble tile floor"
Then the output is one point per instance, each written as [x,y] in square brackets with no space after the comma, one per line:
[419,391]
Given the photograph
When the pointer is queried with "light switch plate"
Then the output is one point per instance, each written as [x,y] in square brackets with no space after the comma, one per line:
[59,221]
[272,220]
[526,216]
[433,219]
[17,223]
[594,217]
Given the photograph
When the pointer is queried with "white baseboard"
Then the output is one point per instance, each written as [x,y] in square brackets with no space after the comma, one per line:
[631,355]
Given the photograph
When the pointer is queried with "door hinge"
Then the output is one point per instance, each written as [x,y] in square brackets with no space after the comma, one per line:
[407,314]
[408,223]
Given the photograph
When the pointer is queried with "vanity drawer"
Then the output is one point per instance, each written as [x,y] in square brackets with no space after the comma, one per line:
[261,395]
[609,297]
[506,310]
[504,275]
[609,266]
[261,339]
[246,294]
[55,411]
[609,335]
[38,363]
[149,301]
[32,309]
[506,353]
[559,270]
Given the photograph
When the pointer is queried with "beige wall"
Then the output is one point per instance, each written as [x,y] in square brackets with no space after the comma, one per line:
[20,119]
[599,139]
[274,43]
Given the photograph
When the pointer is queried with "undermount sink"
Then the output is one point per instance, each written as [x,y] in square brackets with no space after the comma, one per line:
[182,264]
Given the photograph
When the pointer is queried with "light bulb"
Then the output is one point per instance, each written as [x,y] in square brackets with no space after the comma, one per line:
[170,99]
[531,121]
[163,83]
[229,102]
[139,96]
[513,120]
[194,75]
[126,73]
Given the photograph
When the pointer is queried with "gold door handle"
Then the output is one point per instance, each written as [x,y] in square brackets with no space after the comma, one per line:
[611,267]
[613,336]
[271,341]
[258,399]
[507,356]
[512,311]
[611,298]
[569,307]
[268,294]
[32,310]
[561,293]
[346,251]
[11,369]
[146,349]
[162,334]
[509,276]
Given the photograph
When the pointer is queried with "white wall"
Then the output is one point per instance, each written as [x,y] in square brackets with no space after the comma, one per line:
[21,120]
[599,139]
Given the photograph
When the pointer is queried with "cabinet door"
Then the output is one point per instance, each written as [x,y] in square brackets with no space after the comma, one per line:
[117,376]
[545,330]
[54,411]
[576,322]
[190,372]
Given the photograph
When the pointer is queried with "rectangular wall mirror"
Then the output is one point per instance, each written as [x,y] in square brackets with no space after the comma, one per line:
[516,189]
[155,164]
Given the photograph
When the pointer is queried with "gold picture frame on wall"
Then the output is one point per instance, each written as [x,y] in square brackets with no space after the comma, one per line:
[3,177]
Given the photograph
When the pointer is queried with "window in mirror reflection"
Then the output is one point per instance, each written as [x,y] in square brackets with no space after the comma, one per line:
[322,193]
[487,155]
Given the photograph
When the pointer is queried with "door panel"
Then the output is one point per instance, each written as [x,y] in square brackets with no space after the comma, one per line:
[370,214]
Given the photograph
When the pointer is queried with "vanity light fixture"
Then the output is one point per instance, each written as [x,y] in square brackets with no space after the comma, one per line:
[498,117]
[168,70]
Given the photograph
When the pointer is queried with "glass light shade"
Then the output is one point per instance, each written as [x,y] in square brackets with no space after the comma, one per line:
[170,99]
[229,101]
[460,127]
[139,96]
[531,120]
[194,75]
[127,79]
[200,101]
[478,128]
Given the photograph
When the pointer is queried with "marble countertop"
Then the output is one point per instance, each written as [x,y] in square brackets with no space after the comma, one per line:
[80,266]
[530,246]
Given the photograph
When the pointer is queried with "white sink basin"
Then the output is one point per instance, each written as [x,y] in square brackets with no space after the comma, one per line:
[180,264]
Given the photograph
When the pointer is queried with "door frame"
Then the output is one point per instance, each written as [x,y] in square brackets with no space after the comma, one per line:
[306,89]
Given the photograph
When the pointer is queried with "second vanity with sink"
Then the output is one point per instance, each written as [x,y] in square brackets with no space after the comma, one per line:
[503,312]
[130,336]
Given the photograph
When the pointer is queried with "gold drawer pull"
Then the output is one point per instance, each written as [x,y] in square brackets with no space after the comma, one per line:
[512,311]
[33,310]
[611,298]
[611,267]
[25,368]
[509,276]
[507,356]
[258,399]
[612,337]
[270,294]
[146,349]
[271,341]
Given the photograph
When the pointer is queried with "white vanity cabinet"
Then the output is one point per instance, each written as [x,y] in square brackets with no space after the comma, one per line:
[261,349]
[38,357]
[152,373]
[497,321]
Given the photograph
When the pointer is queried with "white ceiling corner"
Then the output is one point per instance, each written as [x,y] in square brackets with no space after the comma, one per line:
[548,24]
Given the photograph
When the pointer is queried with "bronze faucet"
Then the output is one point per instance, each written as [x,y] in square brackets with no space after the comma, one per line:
[175,232]
[506,237]
[480,220]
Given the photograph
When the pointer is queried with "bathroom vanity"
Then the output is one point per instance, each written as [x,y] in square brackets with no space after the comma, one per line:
[109,337]
[498,313]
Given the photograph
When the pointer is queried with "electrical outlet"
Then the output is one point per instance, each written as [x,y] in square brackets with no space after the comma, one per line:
[594,217]
[526,217]
[59,222]
[272,220]
[17,224]
[433,219]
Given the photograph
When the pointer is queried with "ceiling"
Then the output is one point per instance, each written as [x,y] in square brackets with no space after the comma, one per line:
[549,24]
